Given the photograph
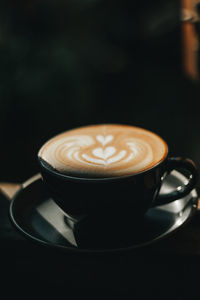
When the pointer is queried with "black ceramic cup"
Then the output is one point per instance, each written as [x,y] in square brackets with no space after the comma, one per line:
[132,194]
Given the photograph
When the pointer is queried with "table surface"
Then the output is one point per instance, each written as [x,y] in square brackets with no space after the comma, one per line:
[176,259]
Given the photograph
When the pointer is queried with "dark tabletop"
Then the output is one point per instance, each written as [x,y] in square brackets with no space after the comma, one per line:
[70,63]
[167,269]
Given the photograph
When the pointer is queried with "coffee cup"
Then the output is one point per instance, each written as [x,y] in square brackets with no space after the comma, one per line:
[110,169]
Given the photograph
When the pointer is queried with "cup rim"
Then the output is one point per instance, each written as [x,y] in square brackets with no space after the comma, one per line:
[43,164]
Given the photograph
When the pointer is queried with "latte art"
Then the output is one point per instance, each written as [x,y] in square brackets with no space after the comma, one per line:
[104,151]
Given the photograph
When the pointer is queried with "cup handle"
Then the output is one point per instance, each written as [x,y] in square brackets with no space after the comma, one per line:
[183,190]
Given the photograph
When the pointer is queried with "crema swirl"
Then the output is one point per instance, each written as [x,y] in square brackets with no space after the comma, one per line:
[104,151]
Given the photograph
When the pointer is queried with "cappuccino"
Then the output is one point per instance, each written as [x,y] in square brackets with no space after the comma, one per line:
[102,151]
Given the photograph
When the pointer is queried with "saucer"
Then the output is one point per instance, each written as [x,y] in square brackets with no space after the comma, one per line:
[38,217]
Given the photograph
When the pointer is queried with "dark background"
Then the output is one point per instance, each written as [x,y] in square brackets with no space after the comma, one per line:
[69,63]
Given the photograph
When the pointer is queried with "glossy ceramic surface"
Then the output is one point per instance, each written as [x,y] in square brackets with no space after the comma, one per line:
[39,218]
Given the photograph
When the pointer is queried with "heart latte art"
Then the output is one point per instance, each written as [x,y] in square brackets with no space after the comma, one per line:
[104,151]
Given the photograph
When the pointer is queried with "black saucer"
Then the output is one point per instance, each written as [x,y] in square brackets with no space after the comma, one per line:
[37,216]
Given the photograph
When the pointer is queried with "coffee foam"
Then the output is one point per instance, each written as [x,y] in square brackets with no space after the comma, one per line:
[104,151]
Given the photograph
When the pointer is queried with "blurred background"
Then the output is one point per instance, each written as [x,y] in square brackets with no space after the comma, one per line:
[68,63]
